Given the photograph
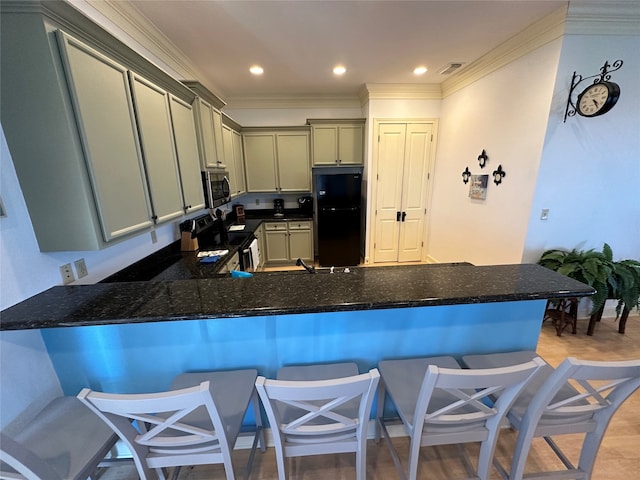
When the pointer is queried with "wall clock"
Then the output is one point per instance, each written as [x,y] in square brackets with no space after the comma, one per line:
[598,99]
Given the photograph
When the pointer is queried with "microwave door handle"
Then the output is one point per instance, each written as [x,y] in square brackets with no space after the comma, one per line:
[225,183]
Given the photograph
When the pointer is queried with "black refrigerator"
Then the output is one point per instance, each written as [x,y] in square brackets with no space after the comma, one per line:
[338,201]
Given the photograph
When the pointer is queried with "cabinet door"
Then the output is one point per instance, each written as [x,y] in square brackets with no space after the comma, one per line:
[294,170]
[184,133]
[156,137]
[205,130]
[277,242]
[220,160]
[227,142]
[300,241]
[238,159]
[260,162]
[389,191]
[325,144]
[102,103]
[414,191]
[350,143]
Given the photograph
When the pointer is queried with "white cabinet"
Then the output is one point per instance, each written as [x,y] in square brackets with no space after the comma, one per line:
[285,242]
[277,161]
[337,143]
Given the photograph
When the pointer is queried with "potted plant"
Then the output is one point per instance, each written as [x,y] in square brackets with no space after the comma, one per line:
[624,284]
[587,266]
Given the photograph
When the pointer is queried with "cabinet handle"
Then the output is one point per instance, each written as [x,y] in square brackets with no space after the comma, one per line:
[404,214]
[397,216]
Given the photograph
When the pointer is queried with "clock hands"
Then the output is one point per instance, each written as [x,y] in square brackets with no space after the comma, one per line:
[595,103]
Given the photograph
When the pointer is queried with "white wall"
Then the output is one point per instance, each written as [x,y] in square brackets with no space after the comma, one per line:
[29,381]
[589,176]
[504,113]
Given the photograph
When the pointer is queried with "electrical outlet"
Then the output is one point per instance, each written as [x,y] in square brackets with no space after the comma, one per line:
[81,268]
[67,274]
[154,236]
[545,214]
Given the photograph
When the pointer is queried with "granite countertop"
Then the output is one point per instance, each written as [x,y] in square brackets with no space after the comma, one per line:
[170,263]
[281,293]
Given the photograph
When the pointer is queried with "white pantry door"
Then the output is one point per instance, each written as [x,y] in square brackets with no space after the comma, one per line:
[402,176]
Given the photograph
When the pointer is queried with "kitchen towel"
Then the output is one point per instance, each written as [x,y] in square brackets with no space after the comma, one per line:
[255,254]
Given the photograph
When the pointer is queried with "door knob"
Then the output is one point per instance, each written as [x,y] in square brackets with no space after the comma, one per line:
[404,214]
[397,216]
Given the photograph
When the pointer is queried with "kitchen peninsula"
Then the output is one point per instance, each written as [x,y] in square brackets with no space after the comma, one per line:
[135,336]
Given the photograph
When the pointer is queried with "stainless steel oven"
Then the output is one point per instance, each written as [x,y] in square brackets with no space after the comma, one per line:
[216,188]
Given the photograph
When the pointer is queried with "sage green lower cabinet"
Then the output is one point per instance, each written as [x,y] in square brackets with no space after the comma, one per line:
[288,241]
[231,264]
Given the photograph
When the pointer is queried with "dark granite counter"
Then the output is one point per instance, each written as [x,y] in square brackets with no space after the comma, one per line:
[281,293]
[169,263]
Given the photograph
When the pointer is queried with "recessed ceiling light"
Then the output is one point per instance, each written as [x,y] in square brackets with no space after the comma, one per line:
[420,70]
[256,70]
[339,70]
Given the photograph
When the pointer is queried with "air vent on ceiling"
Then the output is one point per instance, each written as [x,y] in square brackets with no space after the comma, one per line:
[449,68]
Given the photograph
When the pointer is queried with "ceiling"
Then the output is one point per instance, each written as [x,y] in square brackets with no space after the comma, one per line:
[299,42]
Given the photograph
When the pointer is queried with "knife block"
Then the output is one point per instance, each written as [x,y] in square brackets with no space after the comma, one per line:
[187,243]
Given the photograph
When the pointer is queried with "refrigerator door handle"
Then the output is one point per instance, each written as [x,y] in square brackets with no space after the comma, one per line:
[404,214]
[397,216]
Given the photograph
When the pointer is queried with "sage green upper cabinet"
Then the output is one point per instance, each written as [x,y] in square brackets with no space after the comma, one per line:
[208,126]
[238,156]
[92,161]
[102,102]
[216,116]
[337,142]
[260,161]
[277,161]
[186,142]
[294,171]
[234,160]
[156,138]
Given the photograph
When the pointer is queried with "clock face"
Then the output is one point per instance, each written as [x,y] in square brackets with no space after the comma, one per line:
[597,99]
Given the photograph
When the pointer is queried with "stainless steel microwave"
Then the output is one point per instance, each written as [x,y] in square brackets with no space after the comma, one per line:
[216,188]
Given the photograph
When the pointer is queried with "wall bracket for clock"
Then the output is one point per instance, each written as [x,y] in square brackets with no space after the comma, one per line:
[596,99]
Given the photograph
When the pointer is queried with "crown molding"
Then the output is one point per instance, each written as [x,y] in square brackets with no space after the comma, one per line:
[127,20]
[405,91]
[604,18]
[292,102]
[531,38]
